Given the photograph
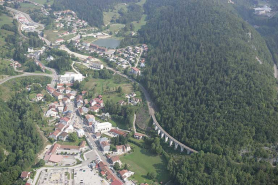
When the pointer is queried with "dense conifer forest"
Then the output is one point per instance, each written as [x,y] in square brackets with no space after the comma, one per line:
[211,76]
[212,92]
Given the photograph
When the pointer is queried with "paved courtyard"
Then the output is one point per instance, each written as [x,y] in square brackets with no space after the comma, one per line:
[87,176]
[56,176]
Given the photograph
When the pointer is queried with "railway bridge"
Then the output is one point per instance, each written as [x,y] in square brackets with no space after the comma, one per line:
[172,141]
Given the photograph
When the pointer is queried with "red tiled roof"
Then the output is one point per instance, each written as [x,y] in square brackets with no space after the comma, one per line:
[69,147]
[56,132]
[122,172]
[50,89]
[104,143]
[65,99]
[102,173]
[116,182]
[115,158]
[135,69]
[66,119]
[69,95]
[55,158]
[60,126]
[64,134]
[94,108]
[118,132]
[83,143]
[24,174]
[54,148]
[119,147]
[88,116]
[56,94]
[138,134]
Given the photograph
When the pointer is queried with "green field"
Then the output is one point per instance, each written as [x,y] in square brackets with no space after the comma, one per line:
[5,19]
[107,88]
[88,39]
[25,7]
[76,143]
[107,16]
[142,22]
[67,37]
[50,2]
[142,161]
[52,36]
[116,27]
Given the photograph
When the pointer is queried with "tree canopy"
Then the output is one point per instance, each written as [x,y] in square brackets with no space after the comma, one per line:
[211,91]
[89,10]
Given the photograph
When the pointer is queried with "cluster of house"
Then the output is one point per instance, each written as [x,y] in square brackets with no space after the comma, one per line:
[69,18]
[94,105]
[129,55]
[52,155]
[60,109]
[106,172]
[88,47]
[35,54]
[63,129]
[124,57]
[131,100]
[104,142]
[93,64]
[26,25]
[15,64]
[124,174]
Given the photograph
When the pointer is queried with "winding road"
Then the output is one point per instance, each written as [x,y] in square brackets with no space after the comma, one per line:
[26,74]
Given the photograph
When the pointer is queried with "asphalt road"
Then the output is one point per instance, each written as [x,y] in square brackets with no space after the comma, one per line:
[30,20]
[26,15]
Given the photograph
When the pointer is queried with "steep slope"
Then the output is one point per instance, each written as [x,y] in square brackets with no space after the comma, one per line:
[266,26]
[210,75]
[18,136]
[88,10]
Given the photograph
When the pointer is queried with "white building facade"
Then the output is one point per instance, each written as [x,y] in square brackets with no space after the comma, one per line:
[101,127]
[70,77]
[96,65]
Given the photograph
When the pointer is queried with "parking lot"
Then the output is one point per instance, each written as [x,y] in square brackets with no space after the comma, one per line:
[56,176]
[87,176]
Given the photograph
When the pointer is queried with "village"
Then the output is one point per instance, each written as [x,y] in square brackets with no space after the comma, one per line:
[73,116]
[84,146]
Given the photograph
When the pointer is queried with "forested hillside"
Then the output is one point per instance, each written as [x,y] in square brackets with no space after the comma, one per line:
[211,77]
[211,91]
[211,169]
[89,10]
[18,136]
